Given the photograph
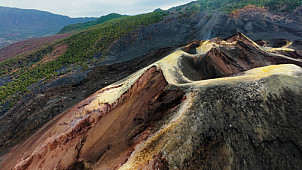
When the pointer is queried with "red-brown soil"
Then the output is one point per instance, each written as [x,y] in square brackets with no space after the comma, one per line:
[28,46]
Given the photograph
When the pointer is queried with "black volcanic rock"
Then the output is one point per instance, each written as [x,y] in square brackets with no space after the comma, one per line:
[178,29]
[248,125]
[242,112]
[33,112]
[233,104]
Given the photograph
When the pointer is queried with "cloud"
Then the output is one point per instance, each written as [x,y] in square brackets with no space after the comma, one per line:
[76,8]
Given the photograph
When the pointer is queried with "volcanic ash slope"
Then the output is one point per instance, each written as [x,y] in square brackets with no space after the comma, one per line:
[211,105]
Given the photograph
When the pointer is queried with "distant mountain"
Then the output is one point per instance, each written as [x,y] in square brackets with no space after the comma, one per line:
[82,26]
[19,24]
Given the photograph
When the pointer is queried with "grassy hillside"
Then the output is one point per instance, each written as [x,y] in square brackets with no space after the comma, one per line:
[82,26]
[23,71]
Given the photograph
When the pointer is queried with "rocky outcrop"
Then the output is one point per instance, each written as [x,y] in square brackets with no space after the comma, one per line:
[219,58]
[88,134]
[246,124]
[212,104]
[35,111]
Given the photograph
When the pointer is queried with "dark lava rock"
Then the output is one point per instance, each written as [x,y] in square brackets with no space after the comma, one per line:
[31,114]
[178,29]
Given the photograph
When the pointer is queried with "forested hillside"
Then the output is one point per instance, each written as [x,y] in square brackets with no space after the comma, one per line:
[20,72]
[82,26]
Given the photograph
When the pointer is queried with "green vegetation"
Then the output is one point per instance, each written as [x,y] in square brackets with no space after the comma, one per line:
[87,43]
[22,72]
[19,62]
[81,48]
[82,26]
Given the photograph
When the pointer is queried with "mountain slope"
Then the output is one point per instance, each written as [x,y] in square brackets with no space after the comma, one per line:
[82,26]
[185,111]
[19,24]
[179,27]
[74,51]
[38,86]
[144,33]
[23,48]
[231,5]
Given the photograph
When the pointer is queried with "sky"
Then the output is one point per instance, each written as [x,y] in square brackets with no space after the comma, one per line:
[93,8]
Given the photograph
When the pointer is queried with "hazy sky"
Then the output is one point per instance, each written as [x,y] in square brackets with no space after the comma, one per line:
[96,8]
